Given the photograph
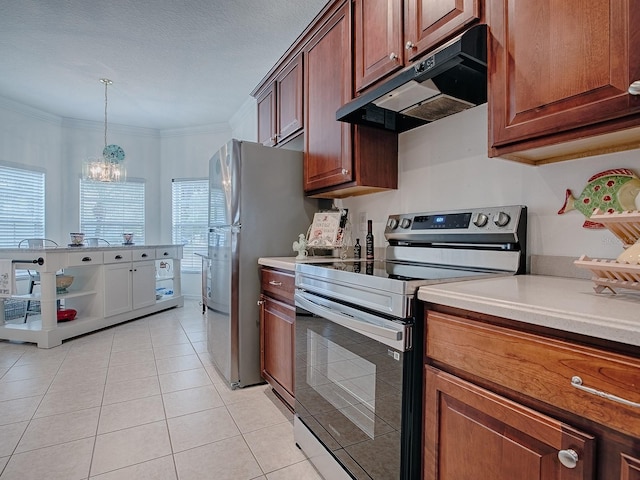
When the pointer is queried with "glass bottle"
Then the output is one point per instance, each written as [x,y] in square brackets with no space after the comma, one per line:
[357,249]
[369,240]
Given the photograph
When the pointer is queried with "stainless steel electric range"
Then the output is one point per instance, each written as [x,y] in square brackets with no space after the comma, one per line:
[359,335]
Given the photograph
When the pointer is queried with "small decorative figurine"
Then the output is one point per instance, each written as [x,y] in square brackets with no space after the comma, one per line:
[615,190]
[300,246]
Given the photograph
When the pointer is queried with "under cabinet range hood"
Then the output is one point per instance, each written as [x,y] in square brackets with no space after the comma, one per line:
[453,78]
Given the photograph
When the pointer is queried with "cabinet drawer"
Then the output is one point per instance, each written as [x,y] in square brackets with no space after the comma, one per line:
[75,259]
[166,252]
[541,368]
[117,256]
[144,254]
[278,284]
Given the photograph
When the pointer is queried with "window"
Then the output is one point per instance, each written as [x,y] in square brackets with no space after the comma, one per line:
[107,210]
[21,205]
[189,219]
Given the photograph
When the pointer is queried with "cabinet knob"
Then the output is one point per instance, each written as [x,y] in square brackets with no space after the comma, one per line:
[393,56]
[634,88]
[345,171]
[409,45]
[260,303]
[569,458]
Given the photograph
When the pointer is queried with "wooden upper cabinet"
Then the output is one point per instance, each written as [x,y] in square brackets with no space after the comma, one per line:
[378,40]
[327,79]
[289,100]
[429,22]
[280,106]
[267,116]
[559,73]
[386,41]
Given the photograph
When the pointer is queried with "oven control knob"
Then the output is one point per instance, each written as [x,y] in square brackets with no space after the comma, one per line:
[405,223]
[501,219]
[392,223]
[480,220]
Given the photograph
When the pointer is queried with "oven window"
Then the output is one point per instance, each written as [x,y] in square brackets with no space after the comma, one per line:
[349,394]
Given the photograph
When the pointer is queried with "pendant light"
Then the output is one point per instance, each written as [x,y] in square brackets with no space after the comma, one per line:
[109,167]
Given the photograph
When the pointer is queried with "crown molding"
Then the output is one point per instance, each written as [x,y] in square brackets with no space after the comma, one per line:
[113,127]
[199,130]
[21,108]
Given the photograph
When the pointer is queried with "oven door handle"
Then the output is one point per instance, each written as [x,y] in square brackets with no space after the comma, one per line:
[391,337]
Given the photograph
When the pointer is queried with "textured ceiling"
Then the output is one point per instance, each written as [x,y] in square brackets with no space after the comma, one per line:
[174,63]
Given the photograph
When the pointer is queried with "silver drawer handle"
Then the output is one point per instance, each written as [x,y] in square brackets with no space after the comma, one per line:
[275,284]
[577,382]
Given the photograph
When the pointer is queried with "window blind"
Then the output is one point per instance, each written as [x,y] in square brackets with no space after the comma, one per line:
[189,219]
[107,210]
[22,199]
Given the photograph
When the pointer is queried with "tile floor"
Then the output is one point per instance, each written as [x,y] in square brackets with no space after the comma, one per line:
[138,401]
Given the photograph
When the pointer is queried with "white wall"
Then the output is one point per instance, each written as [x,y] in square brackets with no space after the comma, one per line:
[34,138]
[444,165]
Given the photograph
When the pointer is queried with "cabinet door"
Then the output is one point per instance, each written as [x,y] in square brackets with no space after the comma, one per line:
[378,47]
[430,22]
[469,430]
[555,67]
[267,116]
[327,77]
[143,284]
[117,288]
[630,468]
[289,100]
[277,333]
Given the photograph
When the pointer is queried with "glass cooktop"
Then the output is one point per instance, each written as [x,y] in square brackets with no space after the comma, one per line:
[399,270]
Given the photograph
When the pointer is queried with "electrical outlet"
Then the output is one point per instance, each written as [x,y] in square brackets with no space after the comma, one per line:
[362,222]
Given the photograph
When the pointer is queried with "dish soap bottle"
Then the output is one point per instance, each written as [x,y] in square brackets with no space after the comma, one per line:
[369,240]
[357,249]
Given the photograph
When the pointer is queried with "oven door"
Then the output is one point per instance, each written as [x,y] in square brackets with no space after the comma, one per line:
[351,389]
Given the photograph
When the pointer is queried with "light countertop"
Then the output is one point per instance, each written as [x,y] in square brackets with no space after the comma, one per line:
[566,304]
[289,263]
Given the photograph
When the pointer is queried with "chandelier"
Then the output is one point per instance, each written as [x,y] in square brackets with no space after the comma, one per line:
[109,167]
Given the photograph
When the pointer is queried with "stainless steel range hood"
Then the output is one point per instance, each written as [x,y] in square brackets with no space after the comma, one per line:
[452,79]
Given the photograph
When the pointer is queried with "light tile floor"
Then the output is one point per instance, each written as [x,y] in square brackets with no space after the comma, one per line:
[138,401]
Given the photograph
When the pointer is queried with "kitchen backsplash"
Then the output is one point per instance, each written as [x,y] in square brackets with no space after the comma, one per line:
[444,165]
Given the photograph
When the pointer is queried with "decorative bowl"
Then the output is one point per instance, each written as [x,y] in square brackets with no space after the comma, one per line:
[76,238]
[63,282]
[66,314]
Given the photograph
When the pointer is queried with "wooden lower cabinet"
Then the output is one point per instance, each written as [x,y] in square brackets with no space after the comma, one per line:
[277,333]
[499,399]
[471,433]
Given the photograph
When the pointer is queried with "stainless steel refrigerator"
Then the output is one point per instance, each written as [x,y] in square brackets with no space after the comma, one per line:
[257,208]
